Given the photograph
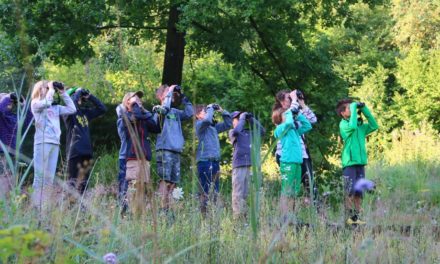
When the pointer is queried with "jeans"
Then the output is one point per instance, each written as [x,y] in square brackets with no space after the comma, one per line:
[209,173]
[123,184]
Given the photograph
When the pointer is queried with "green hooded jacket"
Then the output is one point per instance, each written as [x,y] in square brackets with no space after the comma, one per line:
[353,134]
[290,136]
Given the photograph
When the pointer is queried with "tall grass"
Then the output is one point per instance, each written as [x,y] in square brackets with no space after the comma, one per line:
[402,222]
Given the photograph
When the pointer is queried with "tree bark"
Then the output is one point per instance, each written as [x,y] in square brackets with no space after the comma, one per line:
[174,50]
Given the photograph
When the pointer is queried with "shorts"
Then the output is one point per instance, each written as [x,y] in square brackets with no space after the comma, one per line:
[351,175]
[168,165]
[137,169]
[290,179]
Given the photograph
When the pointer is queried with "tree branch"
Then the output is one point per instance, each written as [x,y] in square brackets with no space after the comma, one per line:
[271,53]
[128,26]
[202,27]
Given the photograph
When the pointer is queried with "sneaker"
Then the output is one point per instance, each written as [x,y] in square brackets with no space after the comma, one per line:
[359,222]
[355,222]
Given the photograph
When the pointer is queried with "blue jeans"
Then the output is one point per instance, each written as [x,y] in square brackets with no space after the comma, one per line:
[123,184]
[208,173]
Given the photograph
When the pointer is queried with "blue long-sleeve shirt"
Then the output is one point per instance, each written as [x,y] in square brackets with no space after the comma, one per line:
[171,137]
[207,134]
[241,139]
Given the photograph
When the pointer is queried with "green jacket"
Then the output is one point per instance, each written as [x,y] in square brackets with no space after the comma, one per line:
[353,134]
[289,135]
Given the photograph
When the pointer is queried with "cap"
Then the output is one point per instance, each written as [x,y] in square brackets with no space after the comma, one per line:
[140,94]
[129,95]
[235,114]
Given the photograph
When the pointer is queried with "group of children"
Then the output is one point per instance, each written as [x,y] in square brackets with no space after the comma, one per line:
[135,123]
[292,117]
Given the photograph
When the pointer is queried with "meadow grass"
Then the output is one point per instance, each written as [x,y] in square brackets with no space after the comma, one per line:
[402,226]
[402,220]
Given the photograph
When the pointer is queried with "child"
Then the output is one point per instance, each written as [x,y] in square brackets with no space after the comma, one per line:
[283,100]
[208,148]
[289,130]
[354,153]
[241,139]
[9,127]
[47,136]
[79,150]
[170,141]
[138,124]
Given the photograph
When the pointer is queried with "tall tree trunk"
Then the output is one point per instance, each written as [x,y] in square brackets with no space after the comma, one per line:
[174,50]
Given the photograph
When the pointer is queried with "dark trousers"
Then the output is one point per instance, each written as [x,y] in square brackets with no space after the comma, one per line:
[307,178]
[123,183]
[79,172]
[208,175]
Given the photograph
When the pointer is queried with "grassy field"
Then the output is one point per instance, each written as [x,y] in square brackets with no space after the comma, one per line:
[402,227]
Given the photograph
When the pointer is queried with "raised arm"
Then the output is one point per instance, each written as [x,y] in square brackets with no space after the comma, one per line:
[372,125]
[347,128]
[98,110]
[226,124]
[69,108]
[168,98]
[305,124]
[188,111]
[38,105]
[308,113]
[146,116]
[207,121]
[240,126]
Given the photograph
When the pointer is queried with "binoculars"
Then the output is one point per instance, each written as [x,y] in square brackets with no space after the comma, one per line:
[360,104]
[58,86]
[15,98]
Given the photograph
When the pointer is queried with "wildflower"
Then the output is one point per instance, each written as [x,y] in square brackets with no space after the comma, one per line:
[110,258]
[363,185]
[177,193]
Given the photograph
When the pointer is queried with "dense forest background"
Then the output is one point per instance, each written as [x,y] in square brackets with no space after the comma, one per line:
[239,54]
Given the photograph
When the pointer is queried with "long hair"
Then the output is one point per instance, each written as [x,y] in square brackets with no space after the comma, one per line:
[38,87]
[279,97]
[277,115]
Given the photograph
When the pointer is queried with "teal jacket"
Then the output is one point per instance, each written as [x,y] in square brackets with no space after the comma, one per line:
[353,134]
[289,134]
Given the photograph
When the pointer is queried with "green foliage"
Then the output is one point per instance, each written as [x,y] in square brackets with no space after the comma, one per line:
[19,243]
[117,68]
[413,146]
[417,23]
[418,73]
